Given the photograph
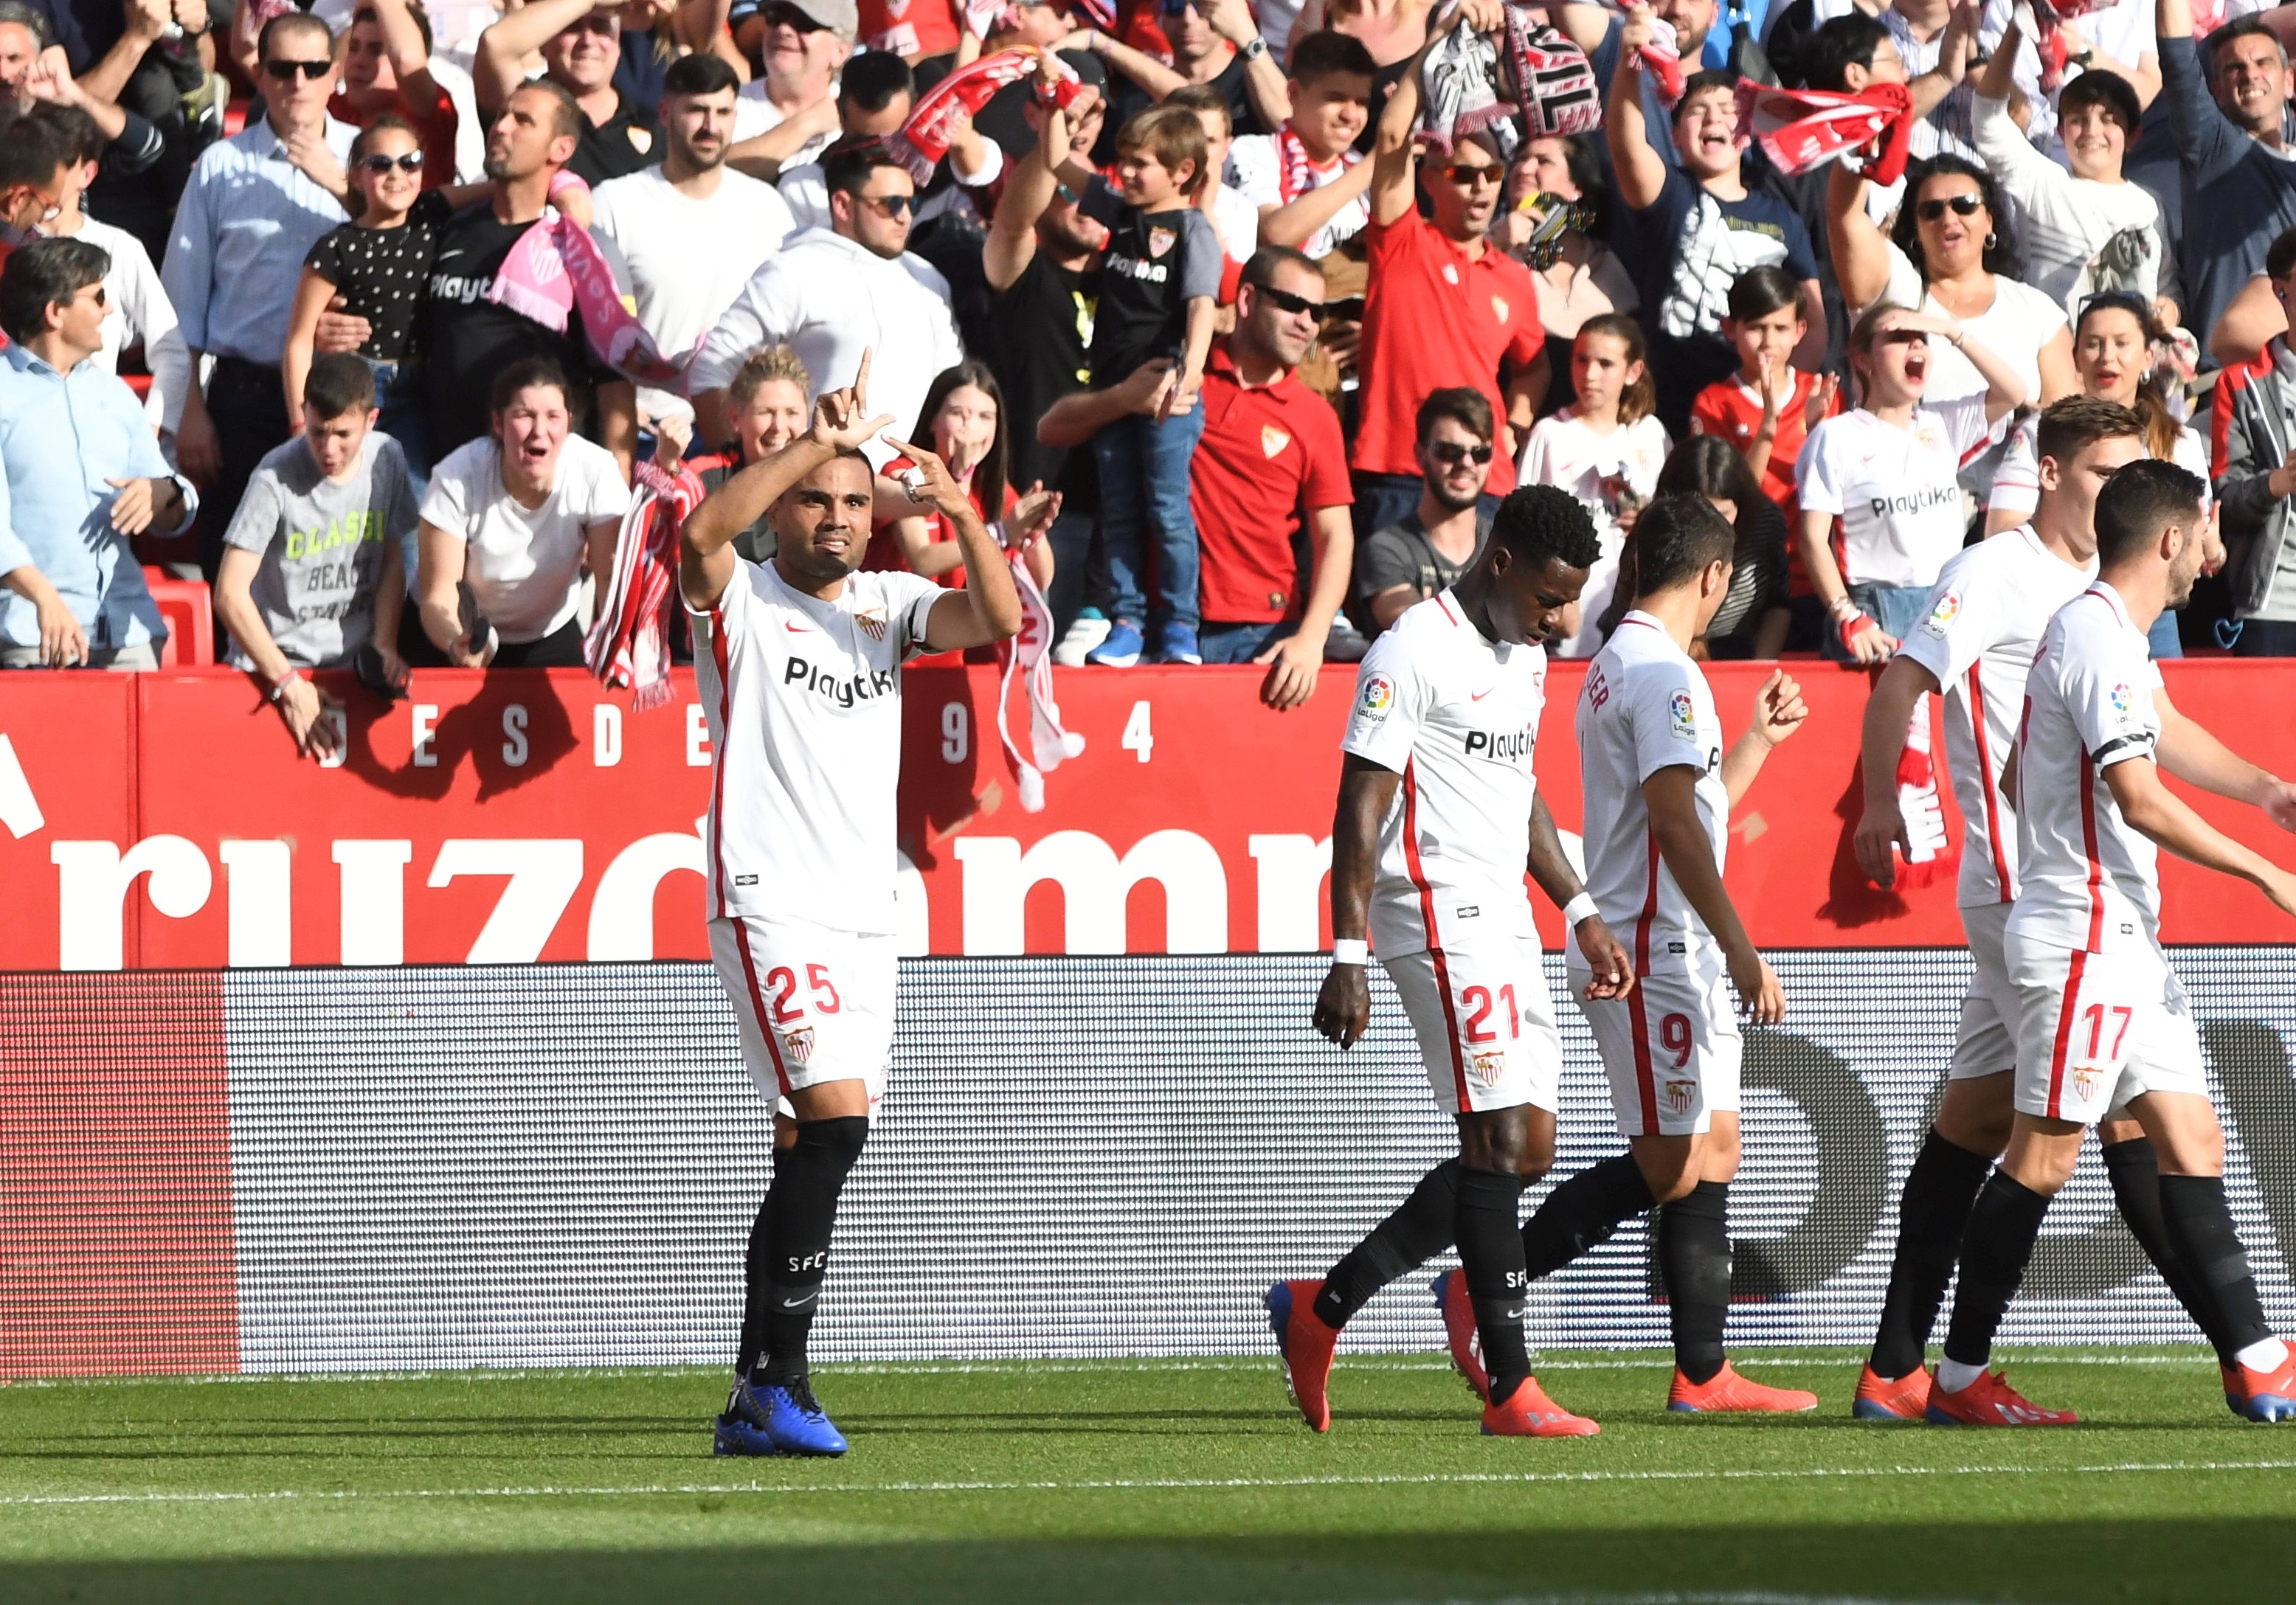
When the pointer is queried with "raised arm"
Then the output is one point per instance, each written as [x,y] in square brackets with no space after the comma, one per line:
[1641,169]
[1860,250]
[2004,387]
[500,65]
[1393,160]
[988,608]
[1011,242]
[410,58]
[1264,84]
[1778,712]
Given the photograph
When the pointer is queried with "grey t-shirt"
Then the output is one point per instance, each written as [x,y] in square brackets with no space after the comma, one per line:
[327,548]
[1401,554]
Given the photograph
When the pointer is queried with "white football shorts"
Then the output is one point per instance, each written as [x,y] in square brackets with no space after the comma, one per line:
[1983,1044]
[1672,1049]
[1485,1023]
[2095,1030]
[814,1004]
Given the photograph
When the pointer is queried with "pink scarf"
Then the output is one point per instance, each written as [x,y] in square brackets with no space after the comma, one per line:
[555,267]
[1799,129]
[629,643]
[1029,655]
[935,120]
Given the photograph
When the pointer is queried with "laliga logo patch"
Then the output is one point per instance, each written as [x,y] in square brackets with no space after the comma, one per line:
[1487,1067]
[1159,241]
[2121,698]
[1948,609]
[873,622]
[797,1043]
[1272,440]
[1680,1095]
[1685,715]
[1378,696]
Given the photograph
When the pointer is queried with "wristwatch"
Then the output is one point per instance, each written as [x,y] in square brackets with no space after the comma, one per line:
[1252,49]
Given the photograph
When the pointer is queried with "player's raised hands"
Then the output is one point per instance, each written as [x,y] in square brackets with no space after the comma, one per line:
[1614,972]
[929,482]
[841,421]
[1343,1007]
[1778,707]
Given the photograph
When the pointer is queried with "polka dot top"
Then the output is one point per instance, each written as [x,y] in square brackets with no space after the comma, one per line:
[380,273]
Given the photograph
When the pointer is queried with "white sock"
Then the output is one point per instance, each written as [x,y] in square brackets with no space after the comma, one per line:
[2265,1353]
[1953,1376]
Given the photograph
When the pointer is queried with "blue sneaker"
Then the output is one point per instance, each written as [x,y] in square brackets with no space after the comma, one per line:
[797,1423]
[1176,643]
[1121,649]
[742,1428]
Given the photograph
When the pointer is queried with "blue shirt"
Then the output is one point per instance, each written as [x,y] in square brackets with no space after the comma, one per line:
[61,437]
[247,219]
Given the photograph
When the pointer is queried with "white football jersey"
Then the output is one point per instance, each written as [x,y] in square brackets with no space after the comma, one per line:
[1895,493]
[2087,881]
[1985,622]
[804,703]
[1647,706]
[1456,715]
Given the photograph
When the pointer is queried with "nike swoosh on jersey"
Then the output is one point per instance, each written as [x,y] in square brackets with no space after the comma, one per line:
[795,629]
[1477,696]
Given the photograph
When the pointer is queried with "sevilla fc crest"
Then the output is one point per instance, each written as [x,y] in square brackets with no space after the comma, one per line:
[797,1043]
[1273,440]
[1680,1095]
[1159,241]
[873,623]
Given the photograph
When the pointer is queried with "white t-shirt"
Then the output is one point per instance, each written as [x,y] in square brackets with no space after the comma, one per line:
[1894,493]
[1564,450]
[2079,237]
[1255,169]
[2017,482]
[687,259]
[754,114]
[803,698]
[2014,328]
[1647,706]
[1986,618]
[2087,882]
[1456,715]
[524,563]
[1237,223]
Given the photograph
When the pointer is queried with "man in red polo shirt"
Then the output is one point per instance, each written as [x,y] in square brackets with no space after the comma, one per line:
[1444,307]
[1270,463]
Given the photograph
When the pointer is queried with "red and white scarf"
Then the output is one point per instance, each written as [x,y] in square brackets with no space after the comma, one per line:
[1295,171]
[1030,656]
[1554,82]
[629,643]
[556,266]
[1799,129]
[936,119]
[1931,855]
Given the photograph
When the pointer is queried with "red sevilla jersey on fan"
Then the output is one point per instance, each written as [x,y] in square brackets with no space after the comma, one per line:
[1269,453]
[1732,409]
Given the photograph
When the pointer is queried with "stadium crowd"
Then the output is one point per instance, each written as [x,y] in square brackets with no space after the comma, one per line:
[1235,316]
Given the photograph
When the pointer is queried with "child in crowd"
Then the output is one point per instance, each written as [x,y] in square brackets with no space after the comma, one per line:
[1605,448]
[1769,408]
[1307,179]
[1159,281]
[964,417]
[311,573]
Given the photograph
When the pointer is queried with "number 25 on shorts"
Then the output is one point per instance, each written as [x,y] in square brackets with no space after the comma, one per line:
[781,982]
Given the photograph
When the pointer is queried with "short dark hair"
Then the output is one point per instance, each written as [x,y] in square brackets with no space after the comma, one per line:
[1676,537]
[2101,87]
[1698,82]
[1201,98]
[292,22]
[1758,292]
[2143,498]
[2239,27]
[2070,426]
[1538,523]
[524,374]
[846,166]
[76,132]
[702,73]
[566,111]
[368,13]
[32,149]
[1464,406]
[1327,51]
[339,382]
[1842,43]
[1259,273]
[871,80]
[2280,260]
[43,273]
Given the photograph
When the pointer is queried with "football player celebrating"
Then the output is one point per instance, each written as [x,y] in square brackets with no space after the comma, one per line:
[1984,623]
[1438,811]
[1659,789]
[2101,1021]
[798,663]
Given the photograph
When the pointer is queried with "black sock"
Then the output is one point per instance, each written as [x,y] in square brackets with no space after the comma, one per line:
[755,1297]
[1419,1229]
[2200,1227]
[1581,1213]
[1490,1253]
[1939,1191]
[1995,1247]
[807,1176]
[2134,1169]
[1693,1257]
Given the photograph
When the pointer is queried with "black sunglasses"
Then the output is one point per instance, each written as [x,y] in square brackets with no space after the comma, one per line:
[286,71]
[1283,301]
[1460,172]
[412,162]
[1173,8]
[1451,454]
[889,206]
[1963,205]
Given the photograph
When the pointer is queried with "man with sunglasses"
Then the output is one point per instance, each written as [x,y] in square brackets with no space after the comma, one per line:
[247,217]
[581,47]
[35,166]
[1429,547]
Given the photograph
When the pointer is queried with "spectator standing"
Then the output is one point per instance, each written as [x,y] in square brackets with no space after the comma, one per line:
[164,82]
[1306,178]
[874,100]
[1606,449]
[1697,225]
[1428,549]
[387,68]
[467,339]
[691,231]
[1214,43]
[249,217]
[787,114]
[2255,451]
[580,42]
[510,524]
[1444,307]
[1234,219]
[1577,276]
[312,569]
[1753,617]
[833,293]
[82,474]
[963,418]
[766,404]
[36,161]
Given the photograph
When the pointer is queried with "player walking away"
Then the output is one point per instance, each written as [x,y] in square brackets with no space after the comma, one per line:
[1439,809]
[2102,1022]
[799,662]
[1983,625]
[1659,790]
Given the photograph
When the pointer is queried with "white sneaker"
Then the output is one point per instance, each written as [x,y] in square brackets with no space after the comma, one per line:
[1087,632]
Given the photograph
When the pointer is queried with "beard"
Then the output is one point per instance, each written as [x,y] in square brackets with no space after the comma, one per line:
[1440,492]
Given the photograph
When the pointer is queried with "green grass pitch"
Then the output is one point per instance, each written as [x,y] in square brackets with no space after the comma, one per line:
[1134,1482]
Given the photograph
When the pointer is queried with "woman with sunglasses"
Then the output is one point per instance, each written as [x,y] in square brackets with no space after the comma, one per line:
[1577,276]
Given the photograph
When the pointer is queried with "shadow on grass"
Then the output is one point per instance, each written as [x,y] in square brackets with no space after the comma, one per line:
[2045,1563]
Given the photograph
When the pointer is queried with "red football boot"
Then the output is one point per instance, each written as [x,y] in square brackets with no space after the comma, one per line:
[1305,1345]
[1991,1402]
[1881,1400]
[1726,1391]
[1459,1331]
[1528,1412]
